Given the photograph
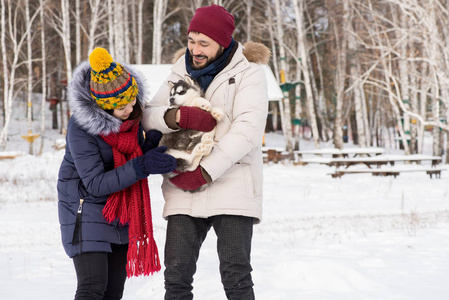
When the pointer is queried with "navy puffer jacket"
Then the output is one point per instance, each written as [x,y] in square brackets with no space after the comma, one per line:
[87,171]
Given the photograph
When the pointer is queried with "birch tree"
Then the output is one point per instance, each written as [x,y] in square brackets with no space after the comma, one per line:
[286,125]
[303,54]
[16,41]
[30,77]
[270,24]
[77,32]
[44,74]
[7,100]
[159,16]
[160,7]
[355,75]
[137,25]
[248,7]
[119,30]
[60,23]
[111,31]
[404,73]
[340,74]
[98,12]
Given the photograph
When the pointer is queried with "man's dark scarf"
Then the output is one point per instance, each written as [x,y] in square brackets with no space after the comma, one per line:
[205,76]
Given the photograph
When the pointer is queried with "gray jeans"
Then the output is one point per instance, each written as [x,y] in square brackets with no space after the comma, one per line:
[185,236]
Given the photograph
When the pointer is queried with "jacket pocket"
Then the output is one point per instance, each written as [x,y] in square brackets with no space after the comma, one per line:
[249,186]
[82,192]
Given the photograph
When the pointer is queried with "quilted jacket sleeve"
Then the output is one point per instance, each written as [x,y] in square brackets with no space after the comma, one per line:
[86,153]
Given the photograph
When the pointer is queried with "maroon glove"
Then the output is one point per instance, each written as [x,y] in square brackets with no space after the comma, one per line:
[196,119]
[190,180]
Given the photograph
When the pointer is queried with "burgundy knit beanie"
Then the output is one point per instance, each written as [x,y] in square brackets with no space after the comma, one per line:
[215,22]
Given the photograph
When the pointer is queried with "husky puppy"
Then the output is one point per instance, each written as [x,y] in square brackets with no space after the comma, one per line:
[186,145]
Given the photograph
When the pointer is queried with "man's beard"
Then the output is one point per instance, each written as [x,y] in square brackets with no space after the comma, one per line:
[208,60]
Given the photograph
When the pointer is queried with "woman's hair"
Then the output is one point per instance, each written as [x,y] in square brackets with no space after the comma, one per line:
[135,114]
[137,111]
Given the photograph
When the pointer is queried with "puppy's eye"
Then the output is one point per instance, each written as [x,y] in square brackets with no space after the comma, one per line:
[182,92]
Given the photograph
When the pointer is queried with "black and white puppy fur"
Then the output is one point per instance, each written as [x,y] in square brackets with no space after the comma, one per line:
[186,145]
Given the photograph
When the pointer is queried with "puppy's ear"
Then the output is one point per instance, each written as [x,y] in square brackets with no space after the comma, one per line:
[171,83]
[190,80]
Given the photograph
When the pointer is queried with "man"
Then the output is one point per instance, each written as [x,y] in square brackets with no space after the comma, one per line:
[232,201]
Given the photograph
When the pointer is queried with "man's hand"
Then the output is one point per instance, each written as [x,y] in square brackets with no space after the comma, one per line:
[195,118]
[190,180]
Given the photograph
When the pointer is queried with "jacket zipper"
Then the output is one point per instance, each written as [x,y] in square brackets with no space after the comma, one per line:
[77,233]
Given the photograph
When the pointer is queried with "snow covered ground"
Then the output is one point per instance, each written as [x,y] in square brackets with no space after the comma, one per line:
[357,237]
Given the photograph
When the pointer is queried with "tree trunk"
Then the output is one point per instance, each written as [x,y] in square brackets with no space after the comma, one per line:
[67,49]
[286,125]
[6,99]
[436,131]
[424,88]
[44,76]
[77,32]
[127,44]
[340,77]
[95,15]
[16,44]
[139,43]
[30,77]
[302,42]
[119,34]
[273,43]
[404,77]
[111,34]
[355,71]
[249,4]
[160,7]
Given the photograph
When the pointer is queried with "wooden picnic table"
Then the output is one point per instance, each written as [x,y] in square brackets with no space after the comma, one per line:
[345,152]
[10,154]
[390,171]
[275,154]
[384,159]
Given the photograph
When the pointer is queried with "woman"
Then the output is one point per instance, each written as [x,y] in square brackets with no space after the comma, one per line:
[104,204]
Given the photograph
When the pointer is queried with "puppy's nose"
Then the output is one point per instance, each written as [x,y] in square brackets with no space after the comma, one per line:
[172,100]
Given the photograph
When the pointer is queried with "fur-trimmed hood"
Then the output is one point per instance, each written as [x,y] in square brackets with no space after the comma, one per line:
[254,52]
[86,112]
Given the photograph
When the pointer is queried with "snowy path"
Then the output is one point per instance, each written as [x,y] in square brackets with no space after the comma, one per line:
[358,237]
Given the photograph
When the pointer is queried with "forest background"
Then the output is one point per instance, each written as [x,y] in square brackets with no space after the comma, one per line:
[364,71]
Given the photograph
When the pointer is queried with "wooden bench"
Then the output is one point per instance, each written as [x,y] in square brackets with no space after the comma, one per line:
[384,159]
[59,144]
[345,152]
[388,172]
[10,154]
[275,155]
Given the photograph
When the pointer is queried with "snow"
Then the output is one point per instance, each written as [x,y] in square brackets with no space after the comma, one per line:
[321,238]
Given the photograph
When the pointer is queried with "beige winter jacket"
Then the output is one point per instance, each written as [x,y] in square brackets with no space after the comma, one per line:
[235,164]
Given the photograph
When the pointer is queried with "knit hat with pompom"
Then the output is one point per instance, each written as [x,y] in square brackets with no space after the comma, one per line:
[111,85]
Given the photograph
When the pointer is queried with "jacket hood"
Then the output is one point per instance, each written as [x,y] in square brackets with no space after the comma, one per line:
[254,52]
[86,112]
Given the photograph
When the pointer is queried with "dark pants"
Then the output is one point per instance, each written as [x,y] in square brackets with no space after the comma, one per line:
[184,238]
[101,275]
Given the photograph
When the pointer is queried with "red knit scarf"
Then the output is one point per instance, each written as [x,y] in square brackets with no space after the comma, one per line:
[132,205]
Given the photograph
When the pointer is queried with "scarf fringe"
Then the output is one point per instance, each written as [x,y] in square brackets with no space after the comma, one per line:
[143,259]
[116,210]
